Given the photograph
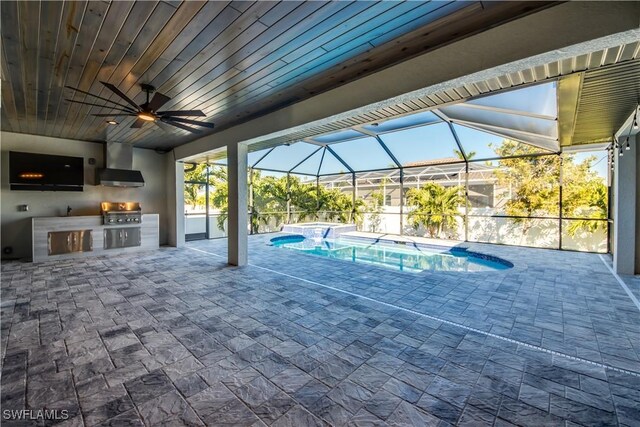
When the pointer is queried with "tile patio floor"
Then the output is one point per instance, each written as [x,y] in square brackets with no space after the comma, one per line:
[176,337]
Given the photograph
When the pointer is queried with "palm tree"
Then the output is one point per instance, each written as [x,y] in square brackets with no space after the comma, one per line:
[470,155]
[435,207]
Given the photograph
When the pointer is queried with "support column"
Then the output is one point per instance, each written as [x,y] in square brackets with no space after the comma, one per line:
[466,200]
[401,202]
[354,196]
[238,218]
[288,198]
[624,209]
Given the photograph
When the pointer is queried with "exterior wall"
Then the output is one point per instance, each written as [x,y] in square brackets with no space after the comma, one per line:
[16,225]
[625,241]
[636,148]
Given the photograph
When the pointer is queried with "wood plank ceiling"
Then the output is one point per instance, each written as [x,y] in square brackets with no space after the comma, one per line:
[233,60]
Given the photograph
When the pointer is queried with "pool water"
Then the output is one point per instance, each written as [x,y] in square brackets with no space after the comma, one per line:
[409,257]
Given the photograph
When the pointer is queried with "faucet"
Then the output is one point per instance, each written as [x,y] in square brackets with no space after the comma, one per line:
[69,210]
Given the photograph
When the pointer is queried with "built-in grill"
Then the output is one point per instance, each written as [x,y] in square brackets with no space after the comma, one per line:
[121,213]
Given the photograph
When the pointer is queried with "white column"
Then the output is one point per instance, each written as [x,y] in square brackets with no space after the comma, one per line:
[624,209]
[175,202]
[238,218]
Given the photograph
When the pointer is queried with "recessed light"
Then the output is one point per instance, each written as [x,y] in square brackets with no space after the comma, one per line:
[112,122]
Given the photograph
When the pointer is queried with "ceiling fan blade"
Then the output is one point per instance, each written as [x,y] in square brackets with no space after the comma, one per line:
[178,125]
[126,110]
[162,125]
[138,123]
[114,115]
[189,122]
[194,113]
[117,91]
[99,97]
[157,101]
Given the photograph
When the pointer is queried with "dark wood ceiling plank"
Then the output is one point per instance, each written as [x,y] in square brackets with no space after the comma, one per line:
[29,20]
[218,76]
[67,34]
[166,33]
[159,31]
[173,3]
[6,123]
[11,51]
[303,70]
[250,92]
[225,74]
[222,42]
[374,19]
[185,50]
[161,17]
[8,98]
[372,59]
[89,29]
[241,6]
[125,43]
[112,23]
[385,23]
[342,70]
[82,26]
[302,37]
[50,16]
[257,51]
[243,29]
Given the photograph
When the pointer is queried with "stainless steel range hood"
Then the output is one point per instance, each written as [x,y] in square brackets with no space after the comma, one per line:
[119,171]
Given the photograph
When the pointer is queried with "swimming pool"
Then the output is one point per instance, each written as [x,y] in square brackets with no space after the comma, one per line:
[404,257]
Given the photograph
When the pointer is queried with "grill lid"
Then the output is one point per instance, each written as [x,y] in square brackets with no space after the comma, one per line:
[108,207]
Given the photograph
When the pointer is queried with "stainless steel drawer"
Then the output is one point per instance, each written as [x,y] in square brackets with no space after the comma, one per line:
[64,242]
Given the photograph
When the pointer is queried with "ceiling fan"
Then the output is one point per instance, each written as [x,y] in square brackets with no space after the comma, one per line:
[147,112]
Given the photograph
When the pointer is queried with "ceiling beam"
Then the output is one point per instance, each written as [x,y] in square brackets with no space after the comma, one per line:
[568,95]
[560,32]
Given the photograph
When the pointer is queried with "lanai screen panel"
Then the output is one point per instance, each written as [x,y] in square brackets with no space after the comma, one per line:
[311,165]
[285,157]
[479,145]
[537,99]
[426,117]
[363,154]
[422,144]
[331,165]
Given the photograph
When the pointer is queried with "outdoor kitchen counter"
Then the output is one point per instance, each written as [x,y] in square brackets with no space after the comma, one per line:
[42,226]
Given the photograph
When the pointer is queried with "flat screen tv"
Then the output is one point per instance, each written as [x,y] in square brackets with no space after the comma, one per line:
[44,172]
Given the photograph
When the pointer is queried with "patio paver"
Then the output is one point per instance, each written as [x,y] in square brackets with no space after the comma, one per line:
[114,339]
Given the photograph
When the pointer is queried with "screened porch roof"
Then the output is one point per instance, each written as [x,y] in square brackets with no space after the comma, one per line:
[470,130]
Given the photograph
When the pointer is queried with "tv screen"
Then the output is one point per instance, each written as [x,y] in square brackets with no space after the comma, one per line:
[44,172]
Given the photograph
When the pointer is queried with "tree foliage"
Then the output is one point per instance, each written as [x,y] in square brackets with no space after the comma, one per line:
[434,207]
[534,187]
[271,195]
[192,194]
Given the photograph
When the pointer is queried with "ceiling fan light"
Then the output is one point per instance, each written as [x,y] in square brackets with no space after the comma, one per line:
[146,116]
